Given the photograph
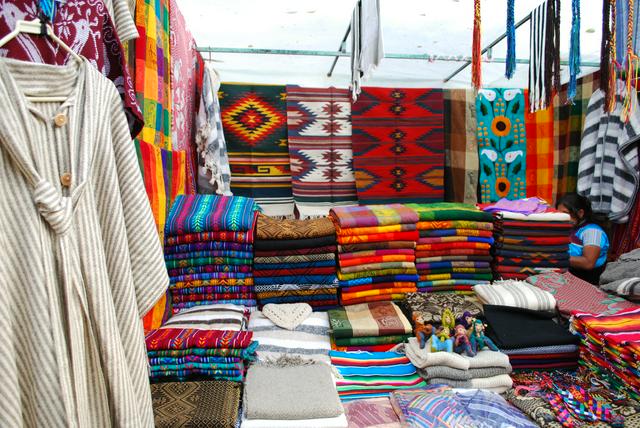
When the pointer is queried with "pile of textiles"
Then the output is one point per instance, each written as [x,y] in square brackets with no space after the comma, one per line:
[574,294]
[185,353]
[442,406]
[295,262]
[528,244]
[375,252]
[209,250]
[453,250]
[518,294]
[196,404]
[556,399]
[610,347]
[291,393]
[376,326]
[371,413]
[373,374]
[531,339]
[622,277]
[487,369]
[291,329]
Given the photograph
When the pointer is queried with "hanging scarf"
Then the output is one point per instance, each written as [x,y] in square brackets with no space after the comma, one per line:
[511,40]
[552,50]
[476,66]
[631,62]
[537,60]
[574,51]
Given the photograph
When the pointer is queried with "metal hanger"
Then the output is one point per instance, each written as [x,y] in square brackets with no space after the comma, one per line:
[42,28]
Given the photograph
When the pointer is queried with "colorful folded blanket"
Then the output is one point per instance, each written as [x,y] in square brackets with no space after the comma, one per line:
[298,293]
[531,248]
[348,248]
[382,272]
[192,270]
[297,265]
[449,282]
[377,266]
[326,249]
[450,211]
[219,289]
[203,261]
[377,286]
[375,253]
[242,237]
[210,277]
[174,339]
[210,213]
[297,279]
[453,264]
[454,224]
[293,244]
[453,259]
[530,231]
[468,252]
[374,319]
[539,225]
[534,240]
[518,294]
[375,229]
[221,282]
[376,259]
[294,259]
[445,276]
[538,255]
[214,253]
[208,246]
[379,237]
[211,297]
[453,246]
[269,228]
[379,279]
[455,232]
[440,239]
[180,306]
[394,297]
[370,340]
[373,215]
[353,294]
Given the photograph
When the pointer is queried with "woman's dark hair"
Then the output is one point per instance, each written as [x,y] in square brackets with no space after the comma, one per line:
[574,203]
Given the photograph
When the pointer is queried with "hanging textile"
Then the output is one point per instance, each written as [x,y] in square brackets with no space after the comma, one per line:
[511,40]
[214,175]
[398,145]
[552,51]
[319,128]
[255,125]
[89,31]
[626,236]
[502,144]
[461,146]
[568,123]
[80,265]
[540,152]
[366,42]
[574,50]
[608,169]
[476,48]
[123,19]
[183,90]
[152,68]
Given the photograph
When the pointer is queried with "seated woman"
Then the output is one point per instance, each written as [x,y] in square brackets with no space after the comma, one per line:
[589,242]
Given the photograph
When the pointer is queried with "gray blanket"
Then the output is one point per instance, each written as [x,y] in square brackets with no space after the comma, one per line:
[291,392]
[622,277]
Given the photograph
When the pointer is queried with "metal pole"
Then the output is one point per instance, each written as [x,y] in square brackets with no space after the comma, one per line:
[492,44]
[342,48]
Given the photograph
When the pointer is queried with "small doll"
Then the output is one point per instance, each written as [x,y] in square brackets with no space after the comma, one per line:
[461,341]
[448,322]
[422,330]
[479,340]
[441,340]
[466,320]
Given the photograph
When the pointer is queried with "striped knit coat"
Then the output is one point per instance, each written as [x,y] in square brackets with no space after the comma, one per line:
[608,169]
[80,259]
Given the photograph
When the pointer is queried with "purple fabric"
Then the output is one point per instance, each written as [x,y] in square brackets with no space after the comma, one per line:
[523,206]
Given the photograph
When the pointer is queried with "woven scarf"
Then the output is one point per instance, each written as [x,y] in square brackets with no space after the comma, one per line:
[537,61]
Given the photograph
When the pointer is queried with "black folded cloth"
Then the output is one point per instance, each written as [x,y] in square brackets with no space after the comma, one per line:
[515,328]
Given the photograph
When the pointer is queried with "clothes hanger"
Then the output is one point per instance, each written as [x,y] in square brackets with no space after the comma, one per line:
[42,28]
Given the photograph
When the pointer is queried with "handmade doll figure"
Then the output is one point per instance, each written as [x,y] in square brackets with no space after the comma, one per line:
[440,341]
[448,322]
[421,329]
[466,320]
[461,341]
[479,340]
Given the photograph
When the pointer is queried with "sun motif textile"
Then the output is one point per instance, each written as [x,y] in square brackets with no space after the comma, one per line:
[319,127]
[398,145]
[254,118]
[502,144]
[152,68]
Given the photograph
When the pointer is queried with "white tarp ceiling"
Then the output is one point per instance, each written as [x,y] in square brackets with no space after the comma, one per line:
[442,27]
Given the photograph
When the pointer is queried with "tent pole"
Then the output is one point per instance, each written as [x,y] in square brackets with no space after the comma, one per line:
[492,44]
[342,48]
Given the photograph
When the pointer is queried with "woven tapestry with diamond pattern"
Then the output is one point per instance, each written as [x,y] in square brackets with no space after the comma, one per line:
[502,144]
[398,145]
[319,127]
[254,118]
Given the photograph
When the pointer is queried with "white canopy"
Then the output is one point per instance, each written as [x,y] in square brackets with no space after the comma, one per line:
[442,27]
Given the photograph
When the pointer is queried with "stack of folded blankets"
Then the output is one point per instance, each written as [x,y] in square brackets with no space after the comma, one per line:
[209,250]
[375,252]
[453,250]
[295,262]
[376,326]
[531,338]
[207,342]
[487,369]
[373,374]
[610,347]
[528,244]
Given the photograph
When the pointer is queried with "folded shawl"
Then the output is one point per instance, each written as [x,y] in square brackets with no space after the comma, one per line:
[170,338]
[450,211]
[346,248]
[293,244]
[373,319]
[518,294]
[269,228]
[373,215]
